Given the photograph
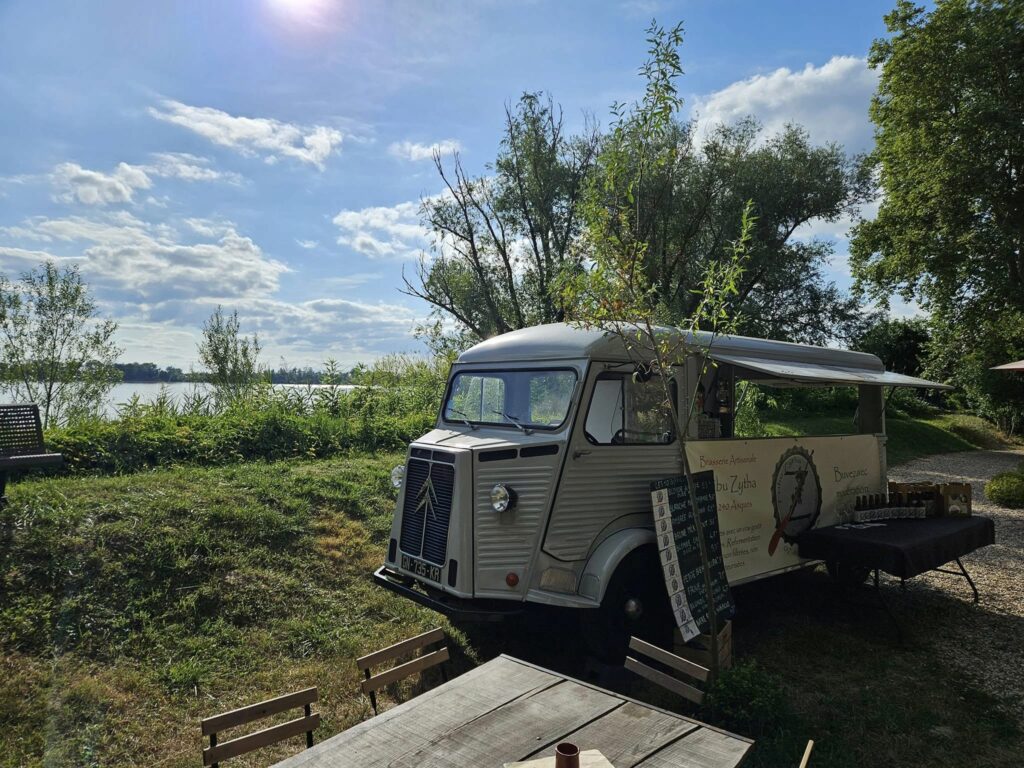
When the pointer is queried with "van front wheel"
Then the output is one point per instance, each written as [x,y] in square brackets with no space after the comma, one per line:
[635,603]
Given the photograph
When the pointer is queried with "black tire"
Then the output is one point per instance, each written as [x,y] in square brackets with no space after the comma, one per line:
[635,603]
[847,574]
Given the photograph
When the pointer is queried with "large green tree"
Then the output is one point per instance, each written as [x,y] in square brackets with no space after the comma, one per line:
[502,240]
[694,205]
[949,156]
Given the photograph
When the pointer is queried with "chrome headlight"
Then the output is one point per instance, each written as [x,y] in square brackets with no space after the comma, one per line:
[503,498]
[398,475]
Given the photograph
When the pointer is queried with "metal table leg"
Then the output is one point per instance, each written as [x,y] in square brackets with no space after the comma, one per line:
[962,573]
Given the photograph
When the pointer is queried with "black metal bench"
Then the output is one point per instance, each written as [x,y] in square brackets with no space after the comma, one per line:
[21,443]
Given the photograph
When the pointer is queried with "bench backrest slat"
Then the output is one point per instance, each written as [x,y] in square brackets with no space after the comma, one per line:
[399,649]
[402,671]
[665,681]
[266,737]
[21,431]
[678,663]
[243,715]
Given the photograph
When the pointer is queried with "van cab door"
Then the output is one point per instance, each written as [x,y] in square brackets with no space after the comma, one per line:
[624,438]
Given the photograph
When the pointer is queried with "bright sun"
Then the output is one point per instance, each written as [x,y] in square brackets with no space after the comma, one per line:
[311,11]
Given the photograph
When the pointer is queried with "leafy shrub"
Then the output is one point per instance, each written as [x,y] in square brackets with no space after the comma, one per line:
[1007,488]
[749,700]
[396,402]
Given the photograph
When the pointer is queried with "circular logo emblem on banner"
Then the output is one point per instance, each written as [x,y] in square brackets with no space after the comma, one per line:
[796,495]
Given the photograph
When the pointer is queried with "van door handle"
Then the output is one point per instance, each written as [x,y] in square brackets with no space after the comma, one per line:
[578,453]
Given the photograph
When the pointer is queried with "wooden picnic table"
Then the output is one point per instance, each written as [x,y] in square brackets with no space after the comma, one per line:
[508,710]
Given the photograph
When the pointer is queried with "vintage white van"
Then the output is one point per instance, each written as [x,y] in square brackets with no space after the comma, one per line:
[534,487]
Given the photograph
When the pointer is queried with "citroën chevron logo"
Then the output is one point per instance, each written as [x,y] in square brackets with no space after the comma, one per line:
[427,498]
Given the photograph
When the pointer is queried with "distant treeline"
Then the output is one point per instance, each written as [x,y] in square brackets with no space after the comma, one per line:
[139,373]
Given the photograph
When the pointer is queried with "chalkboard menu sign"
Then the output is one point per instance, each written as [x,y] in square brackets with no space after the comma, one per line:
[679,552]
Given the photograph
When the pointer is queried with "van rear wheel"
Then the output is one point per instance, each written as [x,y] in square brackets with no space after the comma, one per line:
[635,603]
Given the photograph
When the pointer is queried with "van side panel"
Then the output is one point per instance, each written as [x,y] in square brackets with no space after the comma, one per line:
[771,490]
[609,482]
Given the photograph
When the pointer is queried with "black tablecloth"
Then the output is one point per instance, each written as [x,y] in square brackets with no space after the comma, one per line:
[903,548]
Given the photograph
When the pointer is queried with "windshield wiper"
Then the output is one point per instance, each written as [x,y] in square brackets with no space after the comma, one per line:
[463,418]
[514,420]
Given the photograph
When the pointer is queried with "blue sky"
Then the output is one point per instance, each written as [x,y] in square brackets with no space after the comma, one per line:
[269,155]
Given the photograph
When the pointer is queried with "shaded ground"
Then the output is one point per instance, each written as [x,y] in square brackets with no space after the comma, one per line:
[984,642]
[949,694]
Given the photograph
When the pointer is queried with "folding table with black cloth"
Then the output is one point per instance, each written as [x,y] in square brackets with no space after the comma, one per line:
[901,548]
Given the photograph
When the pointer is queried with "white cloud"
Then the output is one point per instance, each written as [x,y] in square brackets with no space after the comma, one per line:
[25,255]
[187,167]
[386,233]
[161,280]
[301,331]
[353,280]
[254,136]
[307,244]
[839,229]
[831,101]
[75,183]
[414,151]
[137,261]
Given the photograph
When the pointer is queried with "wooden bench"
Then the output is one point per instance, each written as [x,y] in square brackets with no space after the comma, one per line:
[374,683]
[211,726]
[671,661]
[21,443]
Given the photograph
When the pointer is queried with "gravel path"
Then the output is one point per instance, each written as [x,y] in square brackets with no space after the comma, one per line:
[984,641]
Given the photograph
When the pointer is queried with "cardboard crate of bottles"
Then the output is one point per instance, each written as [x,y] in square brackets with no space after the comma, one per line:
[951,499]
[914,500]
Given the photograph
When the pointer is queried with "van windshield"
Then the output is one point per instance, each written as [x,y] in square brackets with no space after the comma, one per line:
[534,399]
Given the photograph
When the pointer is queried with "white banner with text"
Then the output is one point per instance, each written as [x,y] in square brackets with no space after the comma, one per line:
[771,490]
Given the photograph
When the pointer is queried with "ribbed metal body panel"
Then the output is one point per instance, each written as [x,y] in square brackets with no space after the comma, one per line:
[427,510]
[509,540]
[600,486]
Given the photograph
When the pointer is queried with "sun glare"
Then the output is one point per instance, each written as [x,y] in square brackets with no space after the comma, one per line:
[304,12]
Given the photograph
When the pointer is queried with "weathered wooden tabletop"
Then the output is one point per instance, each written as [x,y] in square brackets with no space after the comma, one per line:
[508,710]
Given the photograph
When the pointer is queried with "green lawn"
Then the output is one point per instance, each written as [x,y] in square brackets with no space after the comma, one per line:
[132,606]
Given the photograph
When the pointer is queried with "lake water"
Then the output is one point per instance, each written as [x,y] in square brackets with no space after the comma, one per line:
[147,392]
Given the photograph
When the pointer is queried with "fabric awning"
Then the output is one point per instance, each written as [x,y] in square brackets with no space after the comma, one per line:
[1018,366]
[783,372]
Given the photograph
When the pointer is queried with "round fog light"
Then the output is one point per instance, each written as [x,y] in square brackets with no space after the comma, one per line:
[502,498]
[398,475]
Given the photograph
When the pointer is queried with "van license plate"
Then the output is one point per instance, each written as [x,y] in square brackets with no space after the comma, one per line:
[426,570]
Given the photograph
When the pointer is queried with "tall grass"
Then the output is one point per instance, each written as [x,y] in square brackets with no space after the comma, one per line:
[395,401]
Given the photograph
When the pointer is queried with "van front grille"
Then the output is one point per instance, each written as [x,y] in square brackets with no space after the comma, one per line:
[427,511]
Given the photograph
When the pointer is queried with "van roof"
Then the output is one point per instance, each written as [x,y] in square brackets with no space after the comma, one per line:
[777,362]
